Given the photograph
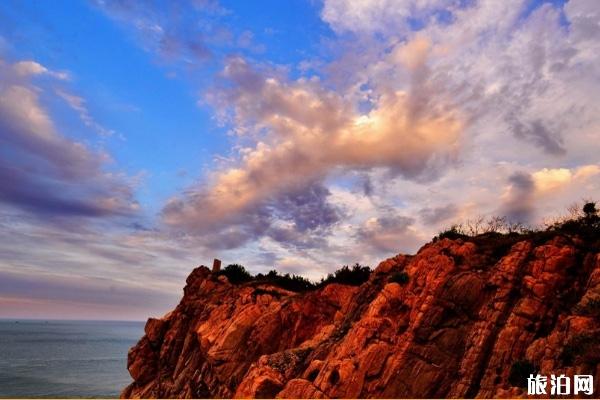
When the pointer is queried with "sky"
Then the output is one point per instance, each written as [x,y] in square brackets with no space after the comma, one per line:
[140,139]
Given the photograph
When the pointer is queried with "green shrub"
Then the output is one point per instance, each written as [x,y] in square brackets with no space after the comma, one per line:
[355,276]
[590,210]
[400,277]
[519,372]
[295,283]
[454,232]
[236,273]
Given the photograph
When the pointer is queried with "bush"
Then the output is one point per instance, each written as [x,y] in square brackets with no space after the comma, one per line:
[519,372]
[355,276]
[295,283]
[236,273]
[400,277]
[454,232]
[582,219]
[589,210]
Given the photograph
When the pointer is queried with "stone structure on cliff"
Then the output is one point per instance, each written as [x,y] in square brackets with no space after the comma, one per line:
[469,312]
[216,266]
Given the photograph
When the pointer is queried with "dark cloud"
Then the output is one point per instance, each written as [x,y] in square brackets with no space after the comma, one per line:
[389,234]
[43,171]
[172,30]
[519,205]
[307,208]
[298,218]
[235,233]
[38,195]
[187,32]
[367,186]
[433,216]
[539,134]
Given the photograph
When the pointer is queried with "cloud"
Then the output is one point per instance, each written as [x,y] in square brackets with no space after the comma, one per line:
[191,34]
[464,100]
[537,133]
[510,70]
[98,291]
[306,133]
[518,204]
[527,193]
[77,103]
[92,270]
[43,171]
[433,216]
[378,16]
[387,234]
[307,208]
[29,68]
[170,31]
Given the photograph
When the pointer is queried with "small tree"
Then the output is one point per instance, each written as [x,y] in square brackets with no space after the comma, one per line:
[355,276]
[236,273]
[589,210]
[590,215]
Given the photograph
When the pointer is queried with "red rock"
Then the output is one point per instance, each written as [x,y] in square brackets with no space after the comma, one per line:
[468,312]
[154,329]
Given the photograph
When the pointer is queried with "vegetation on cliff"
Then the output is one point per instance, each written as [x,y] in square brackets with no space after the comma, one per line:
[355,276]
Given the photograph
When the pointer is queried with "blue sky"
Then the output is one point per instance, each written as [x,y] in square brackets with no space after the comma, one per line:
[151,102]
[139,140]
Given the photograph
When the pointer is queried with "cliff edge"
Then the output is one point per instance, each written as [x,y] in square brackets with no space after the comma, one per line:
[464,317]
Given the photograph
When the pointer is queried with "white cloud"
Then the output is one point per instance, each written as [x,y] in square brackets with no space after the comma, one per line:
[77,103]
[29,68]
[378,16]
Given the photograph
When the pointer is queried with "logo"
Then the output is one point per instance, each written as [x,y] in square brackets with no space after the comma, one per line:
[560,385]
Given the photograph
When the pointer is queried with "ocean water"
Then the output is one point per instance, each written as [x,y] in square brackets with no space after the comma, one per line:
[65,358]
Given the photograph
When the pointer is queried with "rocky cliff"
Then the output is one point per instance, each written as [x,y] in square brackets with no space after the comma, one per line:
[466,317]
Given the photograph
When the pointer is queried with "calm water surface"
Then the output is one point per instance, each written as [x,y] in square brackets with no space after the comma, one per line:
[65,358]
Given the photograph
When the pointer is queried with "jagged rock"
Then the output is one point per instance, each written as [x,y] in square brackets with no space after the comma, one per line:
[467,313]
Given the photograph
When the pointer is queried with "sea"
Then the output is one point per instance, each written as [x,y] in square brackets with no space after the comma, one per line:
[65,358]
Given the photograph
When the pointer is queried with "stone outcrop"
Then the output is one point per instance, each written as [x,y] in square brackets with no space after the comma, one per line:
[470,310]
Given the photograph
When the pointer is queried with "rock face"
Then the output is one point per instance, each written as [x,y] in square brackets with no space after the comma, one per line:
[470,311]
